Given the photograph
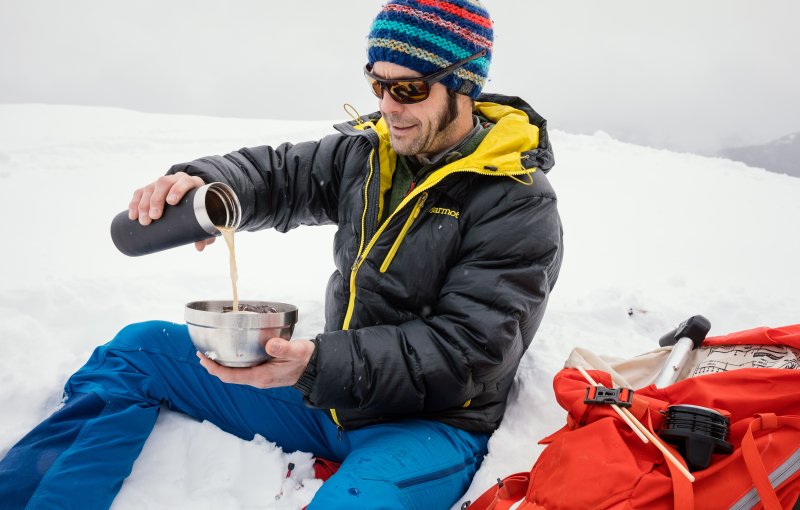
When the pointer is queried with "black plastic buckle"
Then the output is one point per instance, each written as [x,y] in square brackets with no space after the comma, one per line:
[600,395]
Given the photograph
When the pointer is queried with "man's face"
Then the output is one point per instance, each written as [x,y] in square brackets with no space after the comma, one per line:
[423,128]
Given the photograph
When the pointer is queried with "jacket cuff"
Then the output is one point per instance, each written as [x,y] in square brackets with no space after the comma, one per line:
[306,381]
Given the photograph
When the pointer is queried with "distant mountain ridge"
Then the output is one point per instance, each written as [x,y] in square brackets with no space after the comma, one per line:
[781,155]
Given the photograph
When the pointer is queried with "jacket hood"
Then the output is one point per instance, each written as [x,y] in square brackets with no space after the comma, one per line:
[541,156]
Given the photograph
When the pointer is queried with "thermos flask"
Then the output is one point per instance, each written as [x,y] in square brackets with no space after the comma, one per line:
[194,218]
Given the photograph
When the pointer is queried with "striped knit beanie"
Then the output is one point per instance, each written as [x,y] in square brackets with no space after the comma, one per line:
[429,35]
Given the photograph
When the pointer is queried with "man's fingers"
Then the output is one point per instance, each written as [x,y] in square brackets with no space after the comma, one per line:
[290,360]
[182,184]
[148,202]
[200,245]
[159,196]
[133,206]
[144,206]
[225,374]
[258,376]
[280,348]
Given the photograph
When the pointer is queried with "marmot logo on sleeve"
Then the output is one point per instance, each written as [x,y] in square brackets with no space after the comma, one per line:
[444,210]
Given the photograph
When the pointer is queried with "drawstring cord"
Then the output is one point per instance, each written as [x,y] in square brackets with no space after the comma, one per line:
[353,113]
[510,175]
[528,182]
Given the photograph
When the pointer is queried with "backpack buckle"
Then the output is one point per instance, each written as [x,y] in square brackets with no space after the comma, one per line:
[600,395]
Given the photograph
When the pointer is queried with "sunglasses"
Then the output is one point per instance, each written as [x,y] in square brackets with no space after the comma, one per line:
[413,90]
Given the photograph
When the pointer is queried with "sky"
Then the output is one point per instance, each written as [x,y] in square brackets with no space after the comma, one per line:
[685,75]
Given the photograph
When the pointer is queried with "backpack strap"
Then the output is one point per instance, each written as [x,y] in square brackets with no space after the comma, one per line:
[682,490]
[755,466]
[504,494]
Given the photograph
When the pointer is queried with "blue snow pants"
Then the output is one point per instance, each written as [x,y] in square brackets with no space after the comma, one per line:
[79,456]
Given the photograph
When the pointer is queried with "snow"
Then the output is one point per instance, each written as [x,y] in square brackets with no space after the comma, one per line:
[651,237]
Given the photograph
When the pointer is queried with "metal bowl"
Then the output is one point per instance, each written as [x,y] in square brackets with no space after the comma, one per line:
[238,339]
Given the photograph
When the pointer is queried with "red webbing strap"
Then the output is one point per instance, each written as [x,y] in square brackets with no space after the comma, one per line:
[682,490]
[498,497]
[752,458]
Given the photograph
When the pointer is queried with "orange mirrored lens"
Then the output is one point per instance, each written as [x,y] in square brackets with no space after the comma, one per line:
[376,88]
[405,92]
[409,91]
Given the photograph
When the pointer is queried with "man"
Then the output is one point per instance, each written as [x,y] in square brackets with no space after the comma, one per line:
[448,245]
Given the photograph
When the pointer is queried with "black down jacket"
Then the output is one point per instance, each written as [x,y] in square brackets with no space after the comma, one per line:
[427,315]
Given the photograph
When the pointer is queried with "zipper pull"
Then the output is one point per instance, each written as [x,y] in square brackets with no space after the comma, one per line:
[355,263]
[339,430]
[419,205]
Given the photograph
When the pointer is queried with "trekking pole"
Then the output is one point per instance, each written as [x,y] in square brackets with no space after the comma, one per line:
[689,335]
[636,424]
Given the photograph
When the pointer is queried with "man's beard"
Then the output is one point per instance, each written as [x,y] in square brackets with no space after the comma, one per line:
[444,126]
[430,144]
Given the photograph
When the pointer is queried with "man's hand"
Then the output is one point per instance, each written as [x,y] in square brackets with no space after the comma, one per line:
[148,202]
[289,363]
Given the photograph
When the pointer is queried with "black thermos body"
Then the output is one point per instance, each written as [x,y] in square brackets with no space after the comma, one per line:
[194,218]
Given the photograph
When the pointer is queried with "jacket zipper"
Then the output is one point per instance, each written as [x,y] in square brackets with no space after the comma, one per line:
[406,227]
[361,250]
[364,251]
[339,427]
[366,203]
[417,191]
[353,270]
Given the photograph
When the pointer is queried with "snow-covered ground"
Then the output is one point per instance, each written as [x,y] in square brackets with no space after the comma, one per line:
[651,237]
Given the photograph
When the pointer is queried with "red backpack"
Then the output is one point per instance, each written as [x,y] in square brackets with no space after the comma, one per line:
[597,462]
